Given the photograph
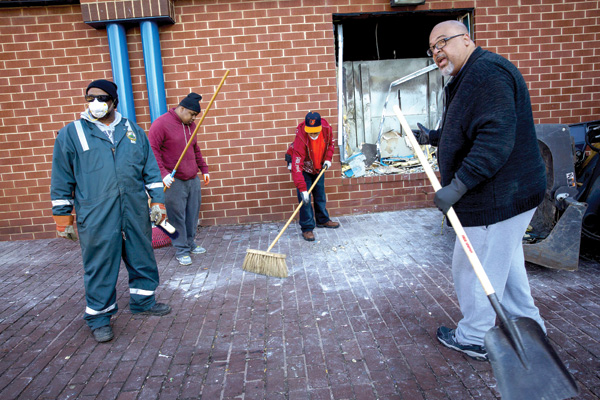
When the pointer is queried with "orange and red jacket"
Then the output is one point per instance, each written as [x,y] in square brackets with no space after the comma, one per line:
[301,153]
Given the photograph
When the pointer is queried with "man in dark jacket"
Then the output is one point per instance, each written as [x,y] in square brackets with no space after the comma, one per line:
[493,176]
[312,151]
[103,166]
[169,135]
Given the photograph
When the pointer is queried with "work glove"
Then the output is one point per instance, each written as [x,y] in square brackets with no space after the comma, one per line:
[168,180]
[421,134]
[327,164]
[447,196]
[64,227]
[158,213]
[288,160]
[305,198]
[206,178]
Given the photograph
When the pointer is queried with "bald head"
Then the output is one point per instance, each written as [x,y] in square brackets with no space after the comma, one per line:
[452,25]
[450,46]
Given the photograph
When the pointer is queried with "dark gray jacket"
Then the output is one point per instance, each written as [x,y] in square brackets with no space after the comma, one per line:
[487,139]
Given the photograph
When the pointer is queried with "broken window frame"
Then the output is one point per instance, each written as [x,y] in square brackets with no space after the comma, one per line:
[463,15]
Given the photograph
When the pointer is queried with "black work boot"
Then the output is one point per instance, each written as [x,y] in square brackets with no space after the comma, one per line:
[103,334]
[157,309]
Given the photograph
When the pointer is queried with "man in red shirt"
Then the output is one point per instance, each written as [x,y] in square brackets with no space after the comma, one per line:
[168,136]
[311,152]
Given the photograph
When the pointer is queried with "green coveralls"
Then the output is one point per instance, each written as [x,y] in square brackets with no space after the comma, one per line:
[109,185]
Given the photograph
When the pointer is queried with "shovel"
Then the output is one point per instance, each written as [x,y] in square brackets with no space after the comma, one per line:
[525,365]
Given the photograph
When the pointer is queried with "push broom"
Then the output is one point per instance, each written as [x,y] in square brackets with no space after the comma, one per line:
[273,264]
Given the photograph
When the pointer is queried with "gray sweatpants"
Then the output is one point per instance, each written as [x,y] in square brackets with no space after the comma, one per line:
[500,250]
[182,202]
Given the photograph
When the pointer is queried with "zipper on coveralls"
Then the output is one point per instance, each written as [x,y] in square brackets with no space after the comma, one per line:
[122,231]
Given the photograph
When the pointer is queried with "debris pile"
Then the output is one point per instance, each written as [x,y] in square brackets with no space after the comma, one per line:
[357,165]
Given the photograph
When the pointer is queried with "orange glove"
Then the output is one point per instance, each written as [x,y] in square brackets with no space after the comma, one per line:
[64,227]
[158,213]
[206,179]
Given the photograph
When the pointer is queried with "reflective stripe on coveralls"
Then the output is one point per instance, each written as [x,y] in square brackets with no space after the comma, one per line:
[62,203]
[81,135]
[94,312]
[141,292]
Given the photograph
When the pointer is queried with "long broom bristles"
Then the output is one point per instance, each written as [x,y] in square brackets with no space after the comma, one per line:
[273,264]
[265,263]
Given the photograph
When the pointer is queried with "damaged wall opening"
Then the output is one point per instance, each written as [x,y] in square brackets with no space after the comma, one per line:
[384,63]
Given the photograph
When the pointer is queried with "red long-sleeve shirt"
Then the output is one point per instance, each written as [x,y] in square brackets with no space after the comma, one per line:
[168,138]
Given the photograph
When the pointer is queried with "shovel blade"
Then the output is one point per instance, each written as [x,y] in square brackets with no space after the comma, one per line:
[537,373]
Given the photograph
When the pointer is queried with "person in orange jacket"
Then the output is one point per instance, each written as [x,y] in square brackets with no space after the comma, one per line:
[312,151]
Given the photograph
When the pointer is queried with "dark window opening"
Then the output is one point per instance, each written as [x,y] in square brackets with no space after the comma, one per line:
[390,35]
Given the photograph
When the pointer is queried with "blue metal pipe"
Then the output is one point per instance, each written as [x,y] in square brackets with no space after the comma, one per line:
[155,81]
[119,60]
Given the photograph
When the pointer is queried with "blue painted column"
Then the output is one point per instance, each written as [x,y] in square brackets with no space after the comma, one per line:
[155,81]
[119,60]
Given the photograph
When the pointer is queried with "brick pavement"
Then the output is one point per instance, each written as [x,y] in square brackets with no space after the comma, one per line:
[355,319]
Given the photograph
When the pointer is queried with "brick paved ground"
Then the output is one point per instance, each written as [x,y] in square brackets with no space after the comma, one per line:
[355,319]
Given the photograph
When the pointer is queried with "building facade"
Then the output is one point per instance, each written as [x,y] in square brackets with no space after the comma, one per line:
[283,59]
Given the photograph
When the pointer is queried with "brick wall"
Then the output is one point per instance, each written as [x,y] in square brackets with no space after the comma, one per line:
[555,45]
[49,56]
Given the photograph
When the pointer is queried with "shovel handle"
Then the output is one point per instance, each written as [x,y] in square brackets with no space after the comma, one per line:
[296,211]
[460,232]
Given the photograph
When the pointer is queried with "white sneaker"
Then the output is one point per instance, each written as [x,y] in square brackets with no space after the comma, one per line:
[199,250]
[184,260]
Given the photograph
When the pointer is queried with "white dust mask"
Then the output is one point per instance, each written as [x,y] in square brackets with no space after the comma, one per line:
[314,138]
[98,109]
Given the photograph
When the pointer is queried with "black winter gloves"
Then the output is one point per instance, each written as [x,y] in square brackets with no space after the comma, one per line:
[447,196]
[421,134]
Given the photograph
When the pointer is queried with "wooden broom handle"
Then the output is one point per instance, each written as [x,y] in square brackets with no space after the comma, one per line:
[296,212]
[199,123]
[460,232]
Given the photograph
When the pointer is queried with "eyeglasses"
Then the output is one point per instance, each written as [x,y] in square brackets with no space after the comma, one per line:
[440,44]
[102,98]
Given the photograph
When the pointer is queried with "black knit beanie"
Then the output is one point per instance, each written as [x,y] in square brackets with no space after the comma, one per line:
[191,102]
[108,86]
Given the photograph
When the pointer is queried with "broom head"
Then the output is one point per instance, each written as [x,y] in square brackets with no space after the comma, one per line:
[159,238]
[265,263]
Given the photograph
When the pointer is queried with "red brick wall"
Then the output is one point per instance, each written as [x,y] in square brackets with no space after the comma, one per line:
[555,45]
[49,55]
